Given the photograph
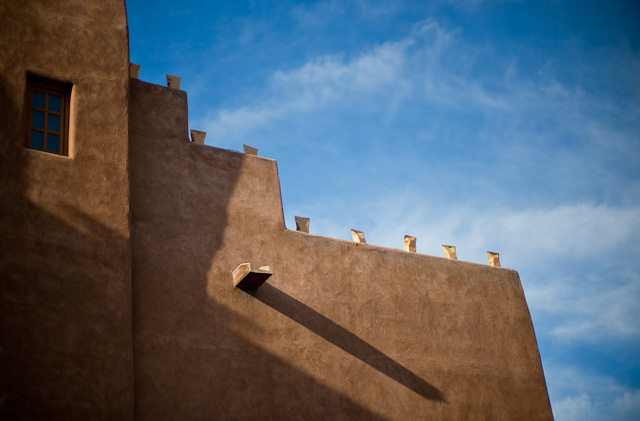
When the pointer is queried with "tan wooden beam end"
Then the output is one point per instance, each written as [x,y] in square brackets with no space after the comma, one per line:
[244,277]
[302,224]
[450,252]
[198,137]
[494,259]
[240,272]
[134,70]
[409,243]
[358,236]
[173,82]
[249,150]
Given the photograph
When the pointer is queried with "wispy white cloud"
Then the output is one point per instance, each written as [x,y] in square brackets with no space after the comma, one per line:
[322,83]
[383,73]
[577,396]
[628,404]
[589,309]
[574,408]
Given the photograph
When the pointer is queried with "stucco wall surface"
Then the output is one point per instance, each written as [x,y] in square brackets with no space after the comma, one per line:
[341,331]
[65,256]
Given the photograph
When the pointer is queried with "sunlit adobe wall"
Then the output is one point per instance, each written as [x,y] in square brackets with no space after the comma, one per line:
[340,331]
[65,265]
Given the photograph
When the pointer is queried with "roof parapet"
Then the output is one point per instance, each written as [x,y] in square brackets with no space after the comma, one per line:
[302,223]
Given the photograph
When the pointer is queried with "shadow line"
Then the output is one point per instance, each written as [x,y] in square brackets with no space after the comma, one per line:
[342,338]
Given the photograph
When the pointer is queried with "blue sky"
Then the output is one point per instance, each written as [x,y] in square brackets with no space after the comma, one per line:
[510,126]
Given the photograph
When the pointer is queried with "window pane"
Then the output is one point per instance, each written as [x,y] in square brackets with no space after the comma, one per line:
[37,119]
[38,99]
[53,143]
[54,103]
[37,140]
[53,123]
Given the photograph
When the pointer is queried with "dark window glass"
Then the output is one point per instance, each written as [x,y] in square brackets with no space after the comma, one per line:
[37,140]
[54,103]
[53,143]
[53,123]
[38,99]
[37,119]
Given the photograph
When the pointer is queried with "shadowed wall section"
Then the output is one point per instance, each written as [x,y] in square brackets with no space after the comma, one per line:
[65,256]
[341,331]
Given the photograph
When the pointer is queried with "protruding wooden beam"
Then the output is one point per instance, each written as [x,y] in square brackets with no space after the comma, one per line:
[244,277]
[410,243]
[494,259]
[358,236]
[302,224]
[198,137]
[173,82]
[450,252]
[250,150]
[134,70]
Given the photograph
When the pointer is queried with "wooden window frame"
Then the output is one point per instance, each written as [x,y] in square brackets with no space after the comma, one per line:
[48,87]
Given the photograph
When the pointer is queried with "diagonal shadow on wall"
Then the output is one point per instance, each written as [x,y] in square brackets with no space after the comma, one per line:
[189,360]
[345,340]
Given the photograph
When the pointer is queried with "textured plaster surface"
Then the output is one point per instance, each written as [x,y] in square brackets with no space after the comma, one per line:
[340,331]
[65,256]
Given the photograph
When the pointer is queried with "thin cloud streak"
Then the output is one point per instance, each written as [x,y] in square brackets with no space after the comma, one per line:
[577,396]
[329,81]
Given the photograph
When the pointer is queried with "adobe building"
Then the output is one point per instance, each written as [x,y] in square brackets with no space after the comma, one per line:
[119,236]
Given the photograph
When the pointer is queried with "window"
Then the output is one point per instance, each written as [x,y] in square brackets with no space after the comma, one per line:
[48,116]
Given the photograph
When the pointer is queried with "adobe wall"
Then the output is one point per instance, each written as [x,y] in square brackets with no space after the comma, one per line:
[65,253]
[341,331]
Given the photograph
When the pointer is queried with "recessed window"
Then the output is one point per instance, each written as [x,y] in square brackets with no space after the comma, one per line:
[48,116]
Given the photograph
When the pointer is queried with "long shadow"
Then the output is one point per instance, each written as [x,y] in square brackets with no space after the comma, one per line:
[343,339]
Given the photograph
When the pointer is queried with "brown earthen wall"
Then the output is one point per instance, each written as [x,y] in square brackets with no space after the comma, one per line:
[65,254]
[341,331]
